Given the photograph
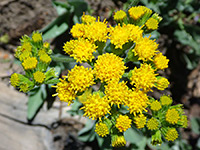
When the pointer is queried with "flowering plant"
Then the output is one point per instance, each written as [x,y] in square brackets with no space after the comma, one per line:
[107,50]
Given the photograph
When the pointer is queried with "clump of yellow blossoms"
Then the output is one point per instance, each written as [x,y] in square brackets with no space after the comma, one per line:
[111,92]
[34,56]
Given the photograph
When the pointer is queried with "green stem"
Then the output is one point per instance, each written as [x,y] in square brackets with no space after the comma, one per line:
[62,59]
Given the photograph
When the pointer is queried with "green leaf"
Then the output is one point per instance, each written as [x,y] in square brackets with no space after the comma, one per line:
[134,136]
[35,101]
[104,142]
[56,27]
[62,58]
[87,134]
[79,6]
[61,7]
[195,125]
[52,81]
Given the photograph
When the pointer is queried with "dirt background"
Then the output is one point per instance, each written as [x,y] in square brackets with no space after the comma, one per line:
[50,130]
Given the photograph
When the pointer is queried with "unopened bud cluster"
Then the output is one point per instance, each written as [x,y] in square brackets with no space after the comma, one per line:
[34,55]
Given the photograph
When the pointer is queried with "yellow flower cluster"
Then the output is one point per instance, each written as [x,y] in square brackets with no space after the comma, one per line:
[171,134]
[161,61]
[65,91]
[114,95]
[94,31]
[30,63]
[117,93]
[39,76]
[109,67]
[119,35]
[152,124]
[14,79]
[172,116]
[137,102]
[140,121]
[81,78]
[143,77]
[136,12]
[34,57]
[123,123]
[81,50]
[87,19]
[101,129]
[155,105]
[120,15]
[118,141]
[96,107]
[145,48]
[37,37]
[152,24]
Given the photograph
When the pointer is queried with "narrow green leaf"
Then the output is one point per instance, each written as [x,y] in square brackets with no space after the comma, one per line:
[35,101]
[195,124]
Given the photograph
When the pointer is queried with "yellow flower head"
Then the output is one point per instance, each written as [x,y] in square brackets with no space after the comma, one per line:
[137,102]
[123,123]
[152,124]
[120,15]
[87,19]
[152,24]
[143,77]
[46,45]
[45,58]
[82,50]
[118,141]
[119,36]
[165,100]
[26,47]
[156,138]
[135,32]
[172,116]
[39,76]
[96,31]
[24,87]
[65,92]
[109,67]
[140,121]
[37,37]
[162,83]
[96,107]
[184,121]
[101,129]
[161,61]
[145,48]
[117,93]
[155,105]
[78,30]
[41,52]
[24,55]
[30,63]
[69,46]
[136,12]
[171,134]
[80,78]
[14,79]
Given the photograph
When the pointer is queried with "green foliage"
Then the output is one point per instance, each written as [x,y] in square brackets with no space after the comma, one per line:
[181,24]
[35,101]
[69,12]
[195,125]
